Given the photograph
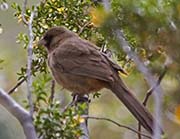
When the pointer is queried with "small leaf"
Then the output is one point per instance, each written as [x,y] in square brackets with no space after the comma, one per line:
[1,30]
[1,61]
[177,114]
[98,16]
[96,95]
[61,10]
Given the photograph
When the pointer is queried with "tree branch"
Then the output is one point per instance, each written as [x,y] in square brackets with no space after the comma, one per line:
[144,70]
[149,93]
[19,83]
[84,125]
[20,113]
[149,78]
[116,123]
[82,28]
[29,64]
[16,86]
[23,12]
[29,58]
[52,90]
[77,99]
[139,129]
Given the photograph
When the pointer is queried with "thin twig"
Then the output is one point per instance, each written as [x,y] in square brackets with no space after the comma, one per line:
[71,103]
[139,129]
[16,86]
[149,78]
[116,123]
[29,62]
[84,124]
[82,28]
[29,57]
[118,33]
[79,100]
[149,93]
[52,90]
[23,12]
[20,82]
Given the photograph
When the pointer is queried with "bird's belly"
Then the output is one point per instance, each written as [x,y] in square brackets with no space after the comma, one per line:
[78,84]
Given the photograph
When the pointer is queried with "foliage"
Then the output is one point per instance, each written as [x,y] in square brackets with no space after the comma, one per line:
[52,124]
[1,61]
[154,27]
[49,121]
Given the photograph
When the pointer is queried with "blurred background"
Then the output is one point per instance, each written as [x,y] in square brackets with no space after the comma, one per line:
[13,56]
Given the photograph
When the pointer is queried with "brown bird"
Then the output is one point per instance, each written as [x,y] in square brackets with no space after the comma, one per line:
[80,67]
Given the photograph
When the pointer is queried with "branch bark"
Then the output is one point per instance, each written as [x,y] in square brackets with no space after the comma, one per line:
[84,125]
[51,98]
[149,93]
[19,113]
[16,86]
[116,123]
[149,78]
[118,33]
[29,63]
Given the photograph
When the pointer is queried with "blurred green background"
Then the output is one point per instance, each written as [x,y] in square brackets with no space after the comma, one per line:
[107,105]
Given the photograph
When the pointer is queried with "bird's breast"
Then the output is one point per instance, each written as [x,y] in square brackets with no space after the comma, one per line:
[74,83]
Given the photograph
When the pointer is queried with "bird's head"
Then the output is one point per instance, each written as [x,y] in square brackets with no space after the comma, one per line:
[53,36]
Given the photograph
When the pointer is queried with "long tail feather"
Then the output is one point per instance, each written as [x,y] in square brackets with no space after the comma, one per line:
[133,105]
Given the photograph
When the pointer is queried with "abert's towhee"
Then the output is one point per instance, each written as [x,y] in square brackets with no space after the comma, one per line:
[80,67]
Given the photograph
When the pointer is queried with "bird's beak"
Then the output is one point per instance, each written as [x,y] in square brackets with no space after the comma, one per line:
[41,42]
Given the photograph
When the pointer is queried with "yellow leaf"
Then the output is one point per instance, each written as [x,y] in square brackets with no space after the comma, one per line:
[45,26]
[61,10]
[19,18]
[1,31]
[98,16]
[177,113]
[178,9]
[81,120]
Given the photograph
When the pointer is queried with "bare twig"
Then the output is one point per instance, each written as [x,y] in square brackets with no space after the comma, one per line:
[84,125]
[20,113]
[149,78]
[107,5]
[116,123]
[29,64]
[52,90]
[23,12]
[16,86]
[20,82]
[144,70]
[29,57]
[139,130]
[77,99]
[70,104]
[82,28]
[150,91]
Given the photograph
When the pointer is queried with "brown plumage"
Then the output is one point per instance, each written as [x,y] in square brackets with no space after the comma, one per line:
[80,67]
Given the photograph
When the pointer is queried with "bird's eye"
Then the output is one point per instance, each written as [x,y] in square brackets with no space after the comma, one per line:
[48,39]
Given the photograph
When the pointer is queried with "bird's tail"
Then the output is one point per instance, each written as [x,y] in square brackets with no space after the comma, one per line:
[133,105]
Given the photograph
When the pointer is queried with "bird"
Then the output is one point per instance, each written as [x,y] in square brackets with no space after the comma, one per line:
[78,66]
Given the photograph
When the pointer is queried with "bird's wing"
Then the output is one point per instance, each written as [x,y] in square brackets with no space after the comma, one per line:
[79,57]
